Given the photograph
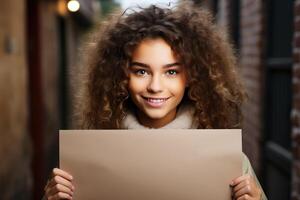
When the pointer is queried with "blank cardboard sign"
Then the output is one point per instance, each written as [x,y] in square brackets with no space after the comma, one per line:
[152,164]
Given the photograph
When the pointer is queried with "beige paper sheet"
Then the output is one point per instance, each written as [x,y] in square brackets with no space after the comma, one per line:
[151,164]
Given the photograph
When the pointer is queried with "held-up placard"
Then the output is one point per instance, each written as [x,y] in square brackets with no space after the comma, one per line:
[152,164]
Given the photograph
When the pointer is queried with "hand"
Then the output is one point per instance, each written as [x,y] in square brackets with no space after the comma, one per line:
[245,187]
[59,186]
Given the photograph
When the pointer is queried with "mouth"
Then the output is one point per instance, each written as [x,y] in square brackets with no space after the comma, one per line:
[155,102]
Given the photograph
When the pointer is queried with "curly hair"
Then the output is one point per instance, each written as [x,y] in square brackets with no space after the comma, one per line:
[214,88]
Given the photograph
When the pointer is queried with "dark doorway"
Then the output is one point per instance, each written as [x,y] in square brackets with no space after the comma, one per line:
[36,109]
[63,72]
[278,99]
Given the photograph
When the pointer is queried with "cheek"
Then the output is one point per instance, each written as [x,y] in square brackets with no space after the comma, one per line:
[136,86]
[178,87]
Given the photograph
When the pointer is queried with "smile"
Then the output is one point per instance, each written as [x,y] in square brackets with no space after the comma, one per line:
[155,102]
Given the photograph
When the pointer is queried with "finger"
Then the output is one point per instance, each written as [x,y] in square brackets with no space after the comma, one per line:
[244,197]
[60,188]
[239,186]
[62,173]
[60,180]
[239,179]
[60,195]
[243,191]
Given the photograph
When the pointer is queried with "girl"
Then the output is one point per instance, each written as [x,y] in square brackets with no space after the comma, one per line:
[160,68]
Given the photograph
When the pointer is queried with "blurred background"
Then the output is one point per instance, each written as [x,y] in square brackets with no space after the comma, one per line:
[40,42]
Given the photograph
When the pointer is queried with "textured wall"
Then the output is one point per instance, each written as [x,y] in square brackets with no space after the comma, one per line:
[250,62]
[251,45]
[28,151]
[223,14]
[252,48]
[15,151]
[50,56]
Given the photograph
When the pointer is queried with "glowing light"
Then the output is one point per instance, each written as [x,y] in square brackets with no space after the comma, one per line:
[73,5]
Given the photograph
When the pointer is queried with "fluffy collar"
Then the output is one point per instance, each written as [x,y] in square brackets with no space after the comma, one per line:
[183,120]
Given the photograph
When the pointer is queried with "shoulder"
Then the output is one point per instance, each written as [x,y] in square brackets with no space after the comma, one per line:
[247,168]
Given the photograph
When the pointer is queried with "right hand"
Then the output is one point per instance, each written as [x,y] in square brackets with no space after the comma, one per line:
[59,186]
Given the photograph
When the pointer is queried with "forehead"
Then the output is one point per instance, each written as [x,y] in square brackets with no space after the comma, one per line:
[154,51]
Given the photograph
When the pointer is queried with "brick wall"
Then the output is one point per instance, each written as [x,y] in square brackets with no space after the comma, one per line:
[250,57]
[223,13]
[252,48]
[296,106]
[251,52]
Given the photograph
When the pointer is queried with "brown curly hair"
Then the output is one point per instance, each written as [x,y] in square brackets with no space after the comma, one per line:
[214,88]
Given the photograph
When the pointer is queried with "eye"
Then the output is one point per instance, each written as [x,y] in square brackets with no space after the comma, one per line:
[140,72]
[172,72]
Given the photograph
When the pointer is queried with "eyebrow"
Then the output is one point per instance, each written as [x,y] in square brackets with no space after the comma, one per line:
[147,66]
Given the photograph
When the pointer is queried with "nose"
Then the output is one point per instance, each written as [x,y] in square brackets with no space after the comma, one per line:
[155,85]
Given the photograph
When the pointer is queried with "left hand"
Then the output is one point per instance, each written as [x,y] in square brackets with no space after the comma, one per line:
[245,188]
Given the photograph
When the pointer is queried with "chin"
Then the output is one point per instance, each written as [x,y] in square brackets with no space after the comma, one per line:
[155,115]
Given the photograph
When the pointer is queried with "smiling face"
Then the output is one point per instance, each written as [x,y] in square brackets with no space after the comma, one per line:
[157,82]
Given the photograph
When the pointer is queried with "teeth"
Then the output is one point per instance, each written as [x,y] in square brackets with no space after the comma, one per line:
[156,100]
